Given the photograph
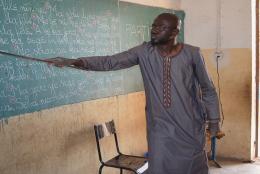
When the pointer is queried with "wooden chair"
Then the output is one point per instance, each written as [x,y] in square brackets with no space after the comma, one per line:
[120,161]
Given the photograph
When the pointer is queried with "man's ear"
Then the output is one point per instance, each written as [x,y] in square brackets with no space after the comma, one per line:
[175,32]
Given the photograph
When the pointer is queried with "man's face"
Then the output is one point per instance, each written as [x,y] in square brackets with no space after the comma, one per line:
[162,31]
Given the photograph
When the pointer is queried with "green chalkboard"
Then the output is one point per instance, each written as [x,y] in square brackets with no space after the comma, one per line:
[51,28]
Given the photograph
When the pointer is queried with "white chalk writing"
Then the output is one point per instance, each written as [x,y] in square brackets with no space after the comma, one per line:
[45,30]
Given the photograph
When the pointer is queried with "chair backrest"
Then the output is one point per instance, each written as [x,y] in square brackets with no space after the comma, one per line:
[103,130]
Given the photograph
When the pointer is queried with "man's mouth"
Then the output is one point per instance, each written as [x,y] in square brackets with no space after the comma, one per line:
[153,36]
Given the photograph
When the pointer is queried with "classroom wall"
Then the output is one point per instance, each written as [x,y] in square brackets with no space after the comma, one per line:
[234,68]
[61,140]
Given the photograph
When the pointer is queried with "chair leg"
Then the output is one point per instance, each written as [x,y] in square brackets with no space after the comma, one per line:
[121,171]
[100,169]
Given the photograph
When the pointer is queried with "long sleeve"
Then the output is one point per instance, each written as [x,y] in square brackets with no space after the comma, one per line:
[209,95]
[118,61]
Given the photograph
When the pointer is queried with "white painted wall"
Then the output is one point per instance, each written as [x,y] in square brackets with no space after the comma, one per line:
[171,4]
[201,23]
[236,24]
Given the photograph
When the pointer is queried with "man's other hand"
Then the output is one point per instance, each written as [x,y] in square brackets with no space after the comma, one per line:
[213,128]
[60,61]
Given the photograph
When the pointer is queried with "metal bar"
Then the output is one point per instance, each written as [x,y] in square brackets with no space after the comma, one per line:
[213,152]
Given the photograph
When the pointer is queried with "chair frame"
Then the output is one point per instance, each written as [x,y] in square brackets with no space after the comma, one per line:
[119,154]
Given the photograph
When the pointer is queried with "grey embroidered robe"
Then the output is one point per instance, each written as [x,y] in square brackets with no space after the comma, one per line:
[177,106]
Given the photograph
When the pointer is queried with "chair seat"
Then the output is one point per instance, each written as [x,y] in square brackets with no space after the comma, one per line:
[136,164]
[127,162]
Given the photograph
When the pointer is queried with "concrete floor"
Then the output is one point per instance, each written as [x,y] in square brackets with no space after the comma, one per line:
[235,167]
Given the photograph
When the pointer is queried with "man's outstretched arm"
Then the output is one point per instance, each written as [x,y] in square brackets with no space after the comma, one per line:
[102,63]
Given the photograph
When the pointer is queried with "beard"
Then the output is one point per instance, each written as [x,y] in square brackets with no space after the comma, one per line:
[159,41]
[153,41]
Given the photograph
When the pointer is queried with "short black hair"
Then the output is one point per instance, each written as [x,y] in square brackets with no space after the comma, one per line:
[172,18]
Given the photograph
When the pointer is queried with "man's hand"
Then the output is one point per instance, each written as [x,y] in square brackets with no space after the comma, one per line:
[213,128]
[61,62]
[220,134]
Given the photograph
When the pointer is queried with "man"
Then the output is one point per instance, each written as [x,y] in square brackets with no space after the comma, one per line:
[180,97]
